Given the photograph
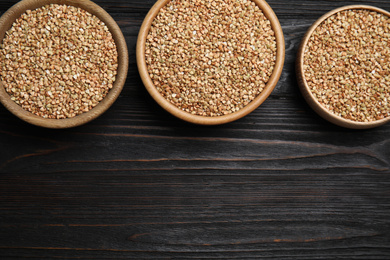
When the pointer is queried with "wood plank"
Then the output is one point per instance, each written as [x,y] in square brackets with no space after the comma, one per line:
[136,183]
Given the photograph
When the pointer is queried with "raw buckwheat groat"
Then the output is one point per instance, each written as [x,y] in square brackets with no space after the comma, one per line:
[210,58]
[58,61]
[347,65]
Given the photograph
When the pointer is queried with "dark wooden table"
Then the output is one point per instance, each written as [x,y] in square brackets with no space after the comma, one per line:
[137,183]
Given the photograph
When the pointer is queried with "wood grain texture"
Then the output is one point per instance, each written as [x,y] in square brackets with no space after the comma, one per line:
[137,183]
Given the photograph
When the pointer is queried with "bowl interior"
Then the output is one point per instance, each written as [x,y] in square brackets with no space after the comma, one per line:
[305,89]
[204,120]
[9,17]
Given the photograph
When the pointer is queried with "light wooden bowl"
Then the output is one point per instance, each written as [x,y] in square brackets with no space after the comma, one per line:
[304,88]
[205,120]
[16,11]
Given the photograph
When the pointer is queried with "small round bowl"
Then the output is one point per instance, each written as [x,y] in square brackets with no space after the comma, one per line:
[9,17]
[303,85]
[209,120]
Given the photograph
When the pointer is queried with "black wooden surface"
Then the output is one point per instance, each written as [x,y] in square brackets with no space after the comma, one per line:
[137,183]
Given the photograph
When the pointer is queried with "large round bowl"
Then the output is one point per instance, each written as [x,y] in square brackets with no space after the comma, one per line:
[305,89]
[9,17]
[210,120]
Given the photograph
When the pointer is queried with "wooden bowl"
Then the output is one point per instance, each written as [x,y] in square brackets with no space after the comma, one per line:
[303,85]
[209,120]
[6,21]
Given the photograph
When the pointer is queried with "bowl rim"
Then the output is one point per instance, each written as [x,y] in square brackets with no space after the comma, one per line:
[15,11]
[304,88]
[207,120]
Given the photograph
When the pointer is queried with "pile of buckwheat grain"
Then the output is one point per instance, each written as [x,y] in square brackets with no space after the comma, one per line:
[210,58]
[58,61]
[347,65]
